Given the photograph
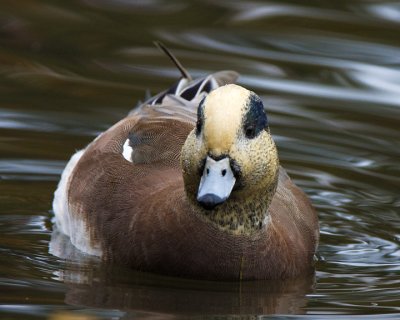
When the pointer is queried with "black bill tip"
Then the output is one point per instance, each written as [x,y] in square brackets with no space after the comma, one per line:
[209,201]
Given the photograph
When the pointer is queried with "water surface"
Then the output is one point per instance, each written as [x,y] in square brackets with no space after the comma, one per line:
[329,74]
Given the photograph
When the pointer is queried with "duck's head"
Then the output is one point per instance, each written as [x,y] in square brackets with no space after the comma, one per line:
[229,161]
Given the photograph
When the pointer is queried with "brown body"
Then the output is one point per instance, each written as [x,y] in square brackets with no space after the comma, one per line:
[139,214]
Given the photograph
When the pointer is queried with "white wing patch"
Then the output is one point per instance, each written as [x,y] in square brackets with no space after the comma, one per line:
[127,151]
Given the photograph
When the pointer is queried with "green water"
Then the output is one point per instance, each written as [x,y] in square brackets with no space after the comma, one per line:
[329,74]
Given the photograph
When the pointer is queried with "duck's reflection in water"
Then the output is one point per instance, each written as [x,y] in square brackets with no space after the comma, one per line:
[93,284]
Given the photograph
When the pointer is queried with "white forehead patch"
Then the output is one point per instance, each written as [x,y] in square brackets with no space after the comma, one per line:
[223,112]
[127,151]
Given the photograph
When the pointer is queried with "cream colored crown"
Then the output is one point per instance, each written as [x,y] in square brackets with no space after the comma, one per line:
[223,113]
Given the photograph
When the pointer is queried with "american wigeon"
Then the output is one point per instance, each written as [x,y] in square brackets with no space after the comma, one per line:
[189,184]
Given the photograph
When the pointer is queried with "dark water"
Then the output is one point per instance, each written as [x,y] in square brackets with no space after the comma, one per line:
[329,72]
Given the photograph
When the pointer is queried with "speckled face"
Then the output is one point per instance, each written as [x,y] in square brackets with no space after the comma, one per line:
[232,124]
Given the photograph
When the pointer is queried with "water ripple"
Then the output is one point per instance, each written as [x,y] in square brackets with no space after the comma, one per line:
[24,169]
[386,10]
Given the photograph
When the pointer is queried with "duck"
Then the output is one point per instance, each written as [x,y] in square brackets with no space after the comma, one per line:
[189,184]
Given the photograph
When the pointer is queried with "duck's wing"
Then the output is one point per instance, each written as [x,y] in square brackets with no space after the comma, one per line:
[157,128]
[163,122]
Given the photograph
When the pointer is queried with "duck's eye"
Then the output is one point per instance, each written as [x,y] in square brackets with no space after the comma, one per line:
[199,125]
[250,132]
[255,120]
[200,117]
